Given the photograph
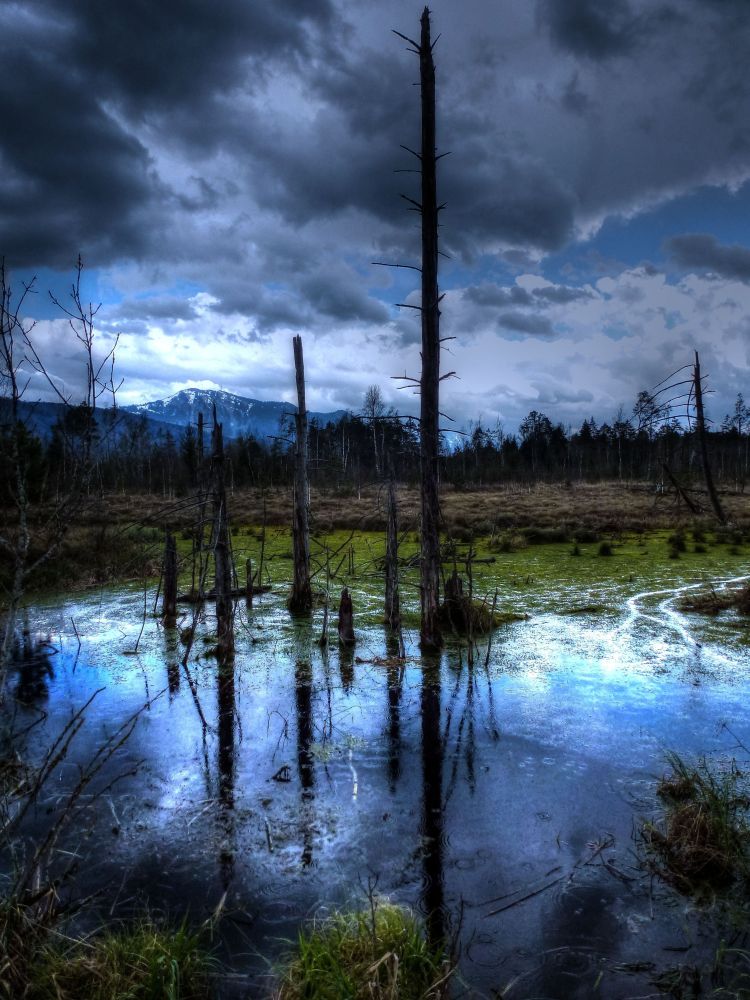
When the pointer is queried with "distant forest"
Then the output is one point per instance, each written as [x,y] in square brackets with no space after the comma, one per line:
[366,447]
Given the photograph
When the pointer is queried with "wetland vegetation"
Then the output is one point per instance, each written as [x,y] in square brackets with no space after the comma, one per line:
[493,788]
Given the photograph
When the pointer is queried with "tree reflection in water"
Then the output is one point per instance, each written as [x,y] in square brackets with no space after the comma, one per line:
[433,898]
[305,760]
[226,766]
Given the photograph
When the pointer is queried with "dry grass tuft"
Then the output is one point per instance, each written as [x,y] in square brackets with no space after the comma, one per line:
[703,840]
[711,602]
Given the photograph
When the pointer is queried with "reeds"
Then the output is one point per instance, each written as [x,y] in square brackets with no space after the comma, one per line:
[144,961]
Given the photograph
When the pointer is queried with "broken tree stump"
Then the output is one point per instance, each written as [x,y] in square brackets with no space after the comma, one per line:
[346,619]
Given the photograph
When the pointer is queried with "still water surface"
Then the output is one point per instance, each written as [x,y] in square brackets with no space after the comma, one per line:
[500,799]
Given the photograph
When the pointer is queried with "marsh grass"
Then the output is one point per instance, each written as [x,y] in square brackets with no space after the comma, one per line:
[379,955]
[702,842]
[144,961]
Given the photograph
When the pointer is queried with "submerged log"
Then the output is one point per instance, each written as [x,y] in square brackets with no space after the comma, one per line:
[346,619]
[194,597]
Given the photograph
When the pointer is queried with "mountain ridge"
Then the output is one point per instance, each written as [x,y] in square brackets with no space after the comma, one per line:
[239,415]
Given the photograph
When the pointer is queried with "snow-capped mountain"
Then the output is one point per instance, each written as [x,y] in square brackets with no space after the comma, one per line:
[238,414]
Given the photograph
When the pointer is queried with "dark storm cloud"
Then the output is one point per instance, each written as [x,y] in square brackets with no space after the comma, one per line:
[596,29]
[496,295]
[703,252]
[157,308]
[74,175]
[72,179]
[342,299]
[154,55]
[561,295]
[574,99]
[536,326]
[506,201]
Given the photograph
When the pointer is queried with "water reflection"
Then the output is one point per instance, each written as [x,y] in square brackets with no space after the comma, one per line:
[465,739]
[473,817]
[433,899]
[31,659]
[394,679]
[305,760]
[226,766]
[346,667]
[395,683]
[171,657]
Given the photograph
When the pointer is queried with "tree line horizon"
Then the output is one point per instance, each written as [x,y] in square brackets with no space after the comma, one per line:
[368,447]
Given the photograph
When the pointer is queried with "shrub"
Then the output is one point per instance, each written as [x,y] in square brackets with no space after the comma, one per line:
[606,549]
[535,535]
[676,542]
[508,542]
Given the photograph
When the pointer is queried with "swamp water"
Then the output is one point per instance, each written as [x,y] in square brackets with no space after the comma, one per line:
[499,799]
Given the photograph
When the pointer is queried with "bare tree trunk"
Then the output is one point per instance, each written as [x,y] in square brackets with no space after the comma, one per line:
[346,619]
[202,495]
[300,599]
[700,420]
[681,492]
[392,603]
[430,637]
[169,603]
[222,549]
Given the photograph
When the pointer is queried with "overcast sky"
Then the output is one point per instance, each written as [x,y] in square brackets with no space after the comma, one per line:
[227,171]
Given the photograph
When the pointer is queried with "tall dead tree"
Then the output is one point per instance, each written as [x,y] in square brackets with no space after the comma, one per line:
[392,604]
[700,421]
[222,549]
[300,599]
[429,383]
